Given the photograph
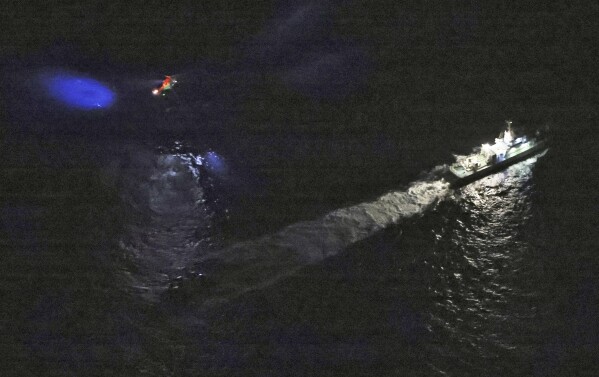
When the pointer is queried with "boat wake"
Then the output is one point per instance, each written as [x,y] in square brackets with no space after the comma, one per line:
[214,275]
[259,263]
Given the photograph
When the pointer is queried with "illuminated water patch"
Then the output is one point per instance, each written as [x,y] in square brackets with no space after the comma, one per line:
[215,163]
[78,92]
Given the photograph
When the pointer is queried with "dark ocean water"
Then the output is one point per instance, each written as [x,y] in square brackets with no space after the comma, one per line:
[283,213]
[180,259]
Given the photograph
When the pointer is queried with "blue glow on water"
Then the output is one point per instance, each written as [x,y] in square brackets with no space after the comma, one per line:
[215,163]
[79,92]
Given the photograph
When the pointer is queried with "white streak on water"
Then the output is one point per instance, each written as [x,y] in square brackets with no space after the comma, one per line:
[259,263]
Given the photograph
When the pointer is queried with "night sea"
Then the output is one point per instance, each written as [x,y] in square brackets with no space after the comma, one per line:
[280,208]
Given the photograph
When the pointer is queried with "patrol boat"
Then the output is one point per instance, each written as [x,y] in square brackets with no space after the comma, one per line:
[507,150]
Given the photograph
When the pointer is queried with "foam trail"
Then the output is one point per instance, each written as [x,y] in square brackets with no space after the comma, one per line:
[259,263]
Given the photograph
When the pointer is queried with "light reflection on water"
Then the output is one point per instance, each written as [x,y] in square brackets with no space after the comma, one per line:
[481,270]
[172,218]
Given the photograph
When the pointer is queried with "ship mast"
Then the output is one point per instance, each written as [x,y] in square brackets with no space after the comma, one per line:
[509,125]
[508,135]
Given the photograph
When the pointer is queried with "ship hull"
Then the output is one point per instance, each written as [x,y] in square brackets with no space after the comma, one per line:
[457,181]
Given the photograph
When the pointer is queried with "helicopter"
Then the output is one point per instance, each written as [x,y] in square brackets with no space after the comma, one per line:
[167,84]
